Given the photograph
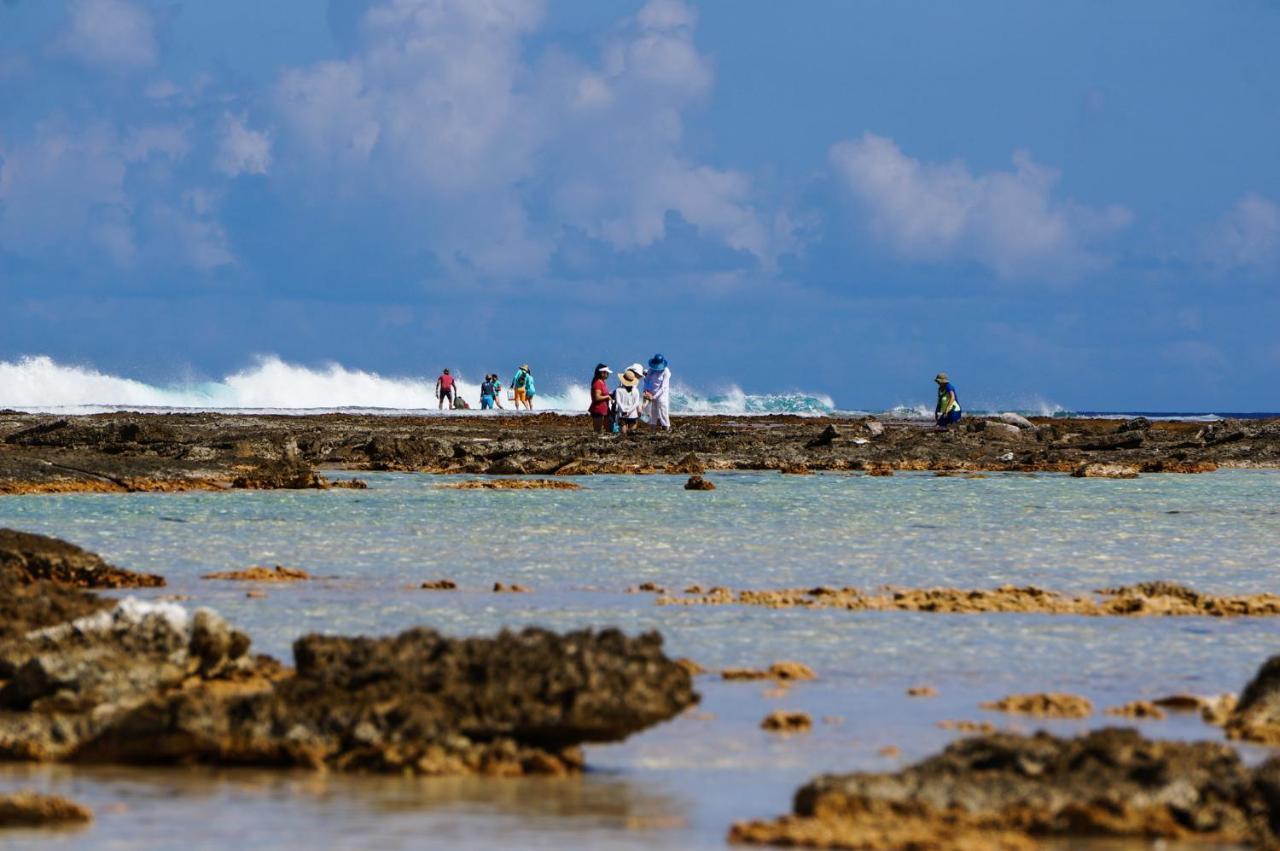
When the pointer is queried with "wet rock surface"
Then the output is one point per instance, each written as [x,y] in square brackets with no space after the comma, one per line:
[1043,705]
[150,683]
[258,573]
[124,451]
[38,558]
[1153,599]
[1003,790]
[32,809]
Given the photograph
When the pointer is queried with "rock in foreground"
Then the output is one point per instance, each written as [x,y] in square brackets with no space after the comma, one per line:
[147,683]
[1001,790]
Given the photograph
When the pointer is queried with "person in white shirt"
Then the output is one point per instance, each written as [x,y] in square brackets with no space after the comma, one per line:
[657,392]
[626,400]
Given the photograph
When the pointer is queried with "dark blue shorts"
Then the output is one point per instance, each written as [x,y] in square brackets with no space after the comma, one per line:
[948,419]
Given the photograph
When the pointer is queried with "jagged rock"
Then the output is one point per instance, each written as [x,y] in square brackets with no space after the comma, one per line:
[1043,705]
[697,483]
[1000,790]
[281,475]
[780,721]
[826,438]
[1135,424]
[1257,715]
[690,465]
[258,573]
[35,558]
[873,428]
[150,683]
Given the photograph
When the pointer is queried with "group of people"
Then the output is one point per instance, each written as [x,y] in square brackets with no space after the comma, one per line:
[520,394]
[641,393]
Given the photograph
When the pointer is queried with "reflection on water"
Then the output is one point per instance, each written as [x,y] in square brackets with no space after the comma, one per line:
[679,785]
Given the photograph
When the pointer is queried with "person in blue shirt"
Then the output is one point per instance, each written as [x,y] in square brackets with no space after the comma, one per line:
[948,407]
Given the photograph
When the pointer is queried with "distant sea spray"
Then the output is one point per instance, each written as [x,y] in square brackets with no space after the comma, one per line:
[39,383]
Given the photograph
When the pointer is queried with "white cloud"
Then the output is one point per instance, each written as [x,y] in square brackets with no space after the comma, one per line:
[242,150]
[1007,221]
[1246,238]
[94,189]
[113,34]
[439,110]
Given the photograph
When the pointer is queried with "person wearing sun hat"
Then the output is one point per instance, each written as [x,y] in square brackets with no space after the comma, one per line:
[657,392]
[947,410]
[626,398]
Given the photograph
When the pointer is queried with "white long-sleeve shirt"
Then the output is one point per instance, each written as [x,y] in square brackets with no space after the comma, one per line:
[628,402]
[657,382]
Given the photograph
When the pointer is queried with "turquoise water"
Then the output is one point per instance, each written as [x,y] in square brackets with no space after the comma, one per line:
[681,784]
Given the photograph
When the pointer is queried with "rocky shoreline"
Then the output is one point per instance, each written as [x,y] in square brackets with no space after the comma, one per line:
[123,452]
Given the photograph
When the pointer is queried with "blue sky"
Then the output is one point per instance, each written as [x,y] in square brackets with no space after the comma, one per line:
[1068,202]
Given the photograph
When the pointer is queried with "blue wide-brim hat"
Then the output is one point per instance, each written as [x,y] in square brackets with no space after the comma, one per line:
[657,362]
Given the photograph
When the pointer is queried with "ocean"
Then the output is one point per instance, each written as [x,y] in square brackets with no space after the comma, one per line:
[680,785]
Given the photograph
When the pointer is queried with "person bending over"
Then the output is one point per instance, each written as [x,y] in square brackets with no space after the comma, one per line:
[948,407]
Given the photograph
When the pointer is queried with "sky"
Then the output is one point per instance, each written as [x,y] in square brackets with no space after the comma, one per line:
[1063,203]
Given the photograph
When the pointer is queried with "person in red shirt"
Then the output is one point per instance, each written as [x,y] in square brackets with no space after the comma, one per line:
[599,409]
[445,389]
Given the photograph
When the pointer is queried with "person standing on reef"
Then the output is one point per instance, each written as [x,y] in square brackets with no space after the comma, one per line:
[948,408]
[445,389]
[489,391]
[657,392]
[522,387]
[626,399]
[600,399]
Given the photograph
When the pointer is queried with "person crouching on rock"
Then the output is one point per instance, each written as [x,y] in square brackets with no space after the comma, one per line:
[600,399]
[626,400]
[657,392]
[947,410]
[445,389]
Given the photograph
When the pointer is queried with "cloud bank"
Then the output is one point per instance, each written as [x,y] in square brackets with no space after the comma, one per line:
[1006,221]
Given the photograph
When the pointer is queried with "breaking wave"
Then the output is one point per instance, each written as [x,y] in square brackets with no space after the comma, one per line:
[272,385]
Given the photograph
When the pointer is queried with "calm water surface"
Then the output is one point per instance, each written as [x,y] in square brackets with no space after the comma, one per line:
[681,784]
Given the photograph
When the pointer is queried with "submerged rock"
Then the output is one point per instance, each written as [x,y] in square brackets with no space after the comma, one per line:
[1001,790]
[780,721]
[258,573]
[1043,705]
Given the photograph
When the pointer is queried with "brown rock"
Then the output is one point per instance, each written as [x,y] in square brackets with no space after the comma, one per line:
[1043,705]
[1000,790]
[879,469]
[690,465]
[513,588]
[691,666]
[779,721]
[1138,709]
[514,484]
[968,726]
[922,691]
[778,671]
[35,558]
[1102,470]
[697,483]
[32,809]
[439,585]
[257,573]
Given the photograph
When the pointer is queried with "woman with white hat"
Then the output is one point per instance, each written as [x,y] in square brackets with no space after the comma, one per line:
[600,400]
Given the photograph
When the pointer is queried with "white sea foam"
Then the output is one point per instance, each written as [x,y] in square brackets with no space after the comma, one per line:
[271,385]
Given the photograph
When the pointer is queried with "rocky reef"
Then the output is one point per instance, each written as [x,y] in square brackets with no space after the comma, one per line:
[1158,598]
[122,452]
[1004,791]
[84,679]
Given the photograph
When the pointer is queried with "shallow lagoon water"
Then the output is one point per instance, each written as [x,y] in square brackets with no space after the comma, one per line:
[681,784]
